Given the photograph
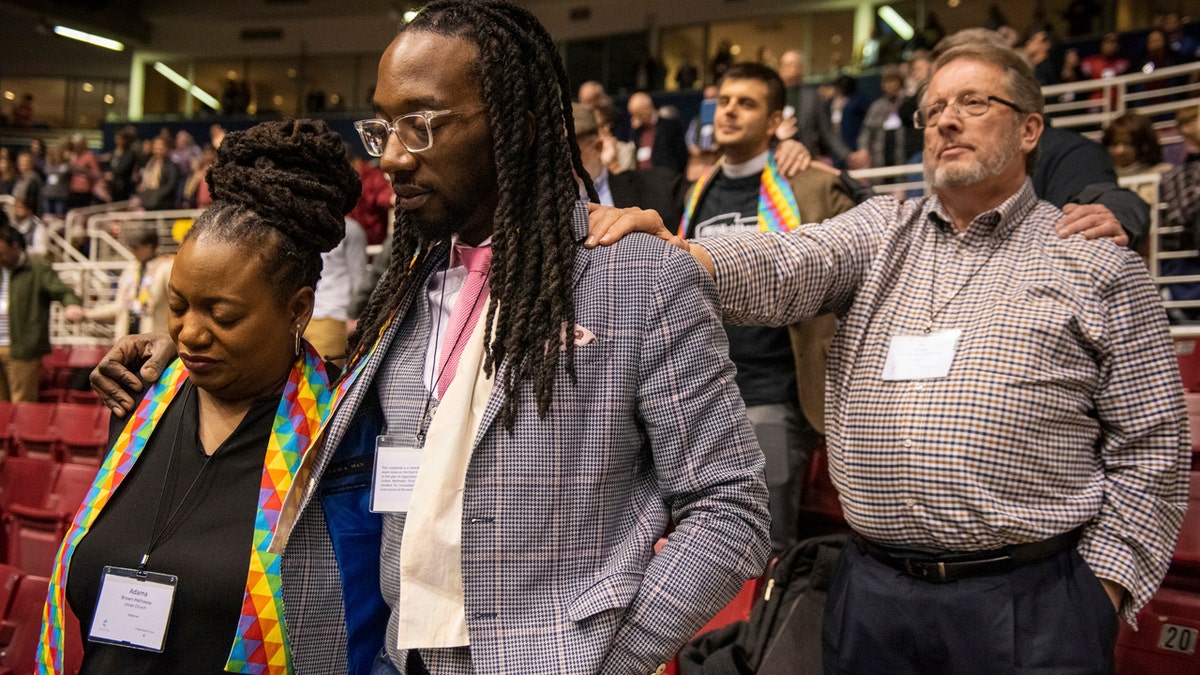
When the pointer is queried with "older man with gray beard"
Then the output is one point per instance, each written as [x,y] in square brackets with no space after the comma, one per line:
[1005,421]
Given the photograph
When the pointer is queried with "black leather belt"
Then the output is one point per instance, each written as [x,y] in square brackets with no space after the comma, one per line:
[940,569]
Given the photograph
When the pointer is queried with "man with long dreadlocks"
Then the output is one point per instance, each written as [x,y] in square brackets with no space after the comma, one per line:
[532,415]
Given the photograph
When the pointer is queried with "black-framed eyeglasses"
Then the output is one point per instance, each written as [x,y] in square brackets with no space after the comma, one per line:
[415,130]
[966,105]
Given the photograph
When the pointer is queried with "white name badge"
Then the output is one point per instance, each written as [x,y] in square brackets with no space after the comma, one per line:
[788,111]
[892,122]
[396,466]
[134,608]
[643,154]
[921,357]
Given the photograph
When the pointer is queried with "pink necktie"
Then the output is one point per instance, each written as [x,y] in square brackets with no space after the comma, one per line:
[467,308]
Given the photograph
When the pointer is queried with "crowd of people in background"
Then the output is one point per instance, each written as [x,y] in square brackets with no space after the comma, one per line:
[168,172]
[159,173]
[768,152]
[658,149]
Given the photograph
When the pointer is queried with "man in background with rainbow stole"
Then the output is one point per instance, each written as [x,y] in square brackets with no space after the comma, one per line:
[780,371]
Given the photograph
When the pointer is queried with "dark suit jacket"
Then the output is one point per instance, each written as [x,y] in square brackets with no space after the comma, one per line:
[163,197]
[813,126]
[1074,169]
[670,149]
[657,188]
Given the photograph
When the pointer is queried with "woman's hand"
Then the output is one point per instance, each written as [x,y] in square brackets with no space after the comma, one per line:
[114,379]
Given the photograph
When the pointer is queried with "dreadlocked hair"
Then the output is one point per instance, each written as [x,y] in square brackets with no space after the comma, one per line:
[282,189]
[523,82]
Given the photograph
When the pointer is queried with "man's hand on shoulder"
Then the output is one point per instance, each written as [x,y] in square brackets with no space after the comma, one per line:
[114,378]
[791,157]
[608,225]
[1093,221]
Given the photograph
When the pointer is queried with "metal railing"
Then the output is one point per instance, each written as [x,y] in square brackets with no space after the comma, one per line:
[1088,105]
[90,257]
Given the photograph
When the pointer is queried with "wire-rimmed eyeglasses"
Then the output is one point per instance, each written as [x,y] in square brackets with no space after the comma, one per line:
[966,105]
[415,130]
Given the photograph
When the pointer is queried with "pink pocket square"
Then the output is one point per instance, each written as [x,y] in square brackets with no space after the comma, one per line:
[581,335]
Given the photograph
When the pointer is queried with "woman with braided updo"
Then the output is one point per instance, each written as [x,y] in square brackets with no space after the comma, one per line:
[169,569]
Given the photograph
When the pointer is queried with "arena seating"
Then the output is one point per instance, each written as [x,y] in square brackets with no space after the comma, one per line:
[35,531]
[22,621]
[1165,642]
[32,432]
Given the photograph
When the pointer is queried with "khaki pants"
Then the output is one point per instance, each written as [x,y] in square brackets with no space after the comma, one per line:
[18,378]
[328,336]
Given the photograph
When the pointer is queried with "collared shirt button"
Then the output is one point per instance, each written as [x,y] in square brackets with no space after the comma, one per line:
[907,443]
[918,386]
[662,668]
[910,503]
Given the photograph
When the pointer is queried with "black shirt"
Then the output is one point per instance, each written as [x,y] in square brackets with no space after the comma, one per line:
[207,544]
[766,368]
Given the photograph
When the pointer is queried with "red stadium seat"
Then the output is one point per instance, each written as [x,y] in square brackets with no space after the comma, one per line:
[34,532]
[50,395]
[738,609]
[19,631]
[1193,413]
[83,396]
[10,578]
[1184,572]
[26,481]
[72,485]
[6,413]
[82,432]
[55,368]
[86,357]
[32,430]
[820,511]
[1189,362]
[1165,642]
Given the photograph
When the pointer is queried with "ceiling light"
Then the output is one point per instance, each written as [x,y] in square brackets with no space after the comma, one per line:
[892,18]
[97,40]
[181,81]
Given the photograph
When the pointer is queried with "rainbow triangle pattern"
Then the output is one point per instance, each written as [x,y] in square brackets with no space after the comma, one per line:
[116,466]
[777,211]
[260,645]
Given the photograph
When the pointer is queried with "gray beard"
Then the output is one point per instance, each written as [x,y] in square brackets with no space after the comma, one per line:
[949,177]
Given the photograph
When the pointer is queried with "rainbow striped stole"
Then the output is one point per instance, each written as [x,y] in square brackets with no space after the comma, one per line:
[116,466]
[260,645]
[777,211]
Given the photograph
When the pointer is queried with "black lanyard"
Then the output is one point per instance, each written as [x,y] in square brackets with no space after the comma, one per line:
[155,533]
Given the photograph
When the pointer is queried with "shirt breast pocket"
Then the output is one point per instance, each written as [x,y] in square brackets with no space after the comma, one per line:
[1040,337]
